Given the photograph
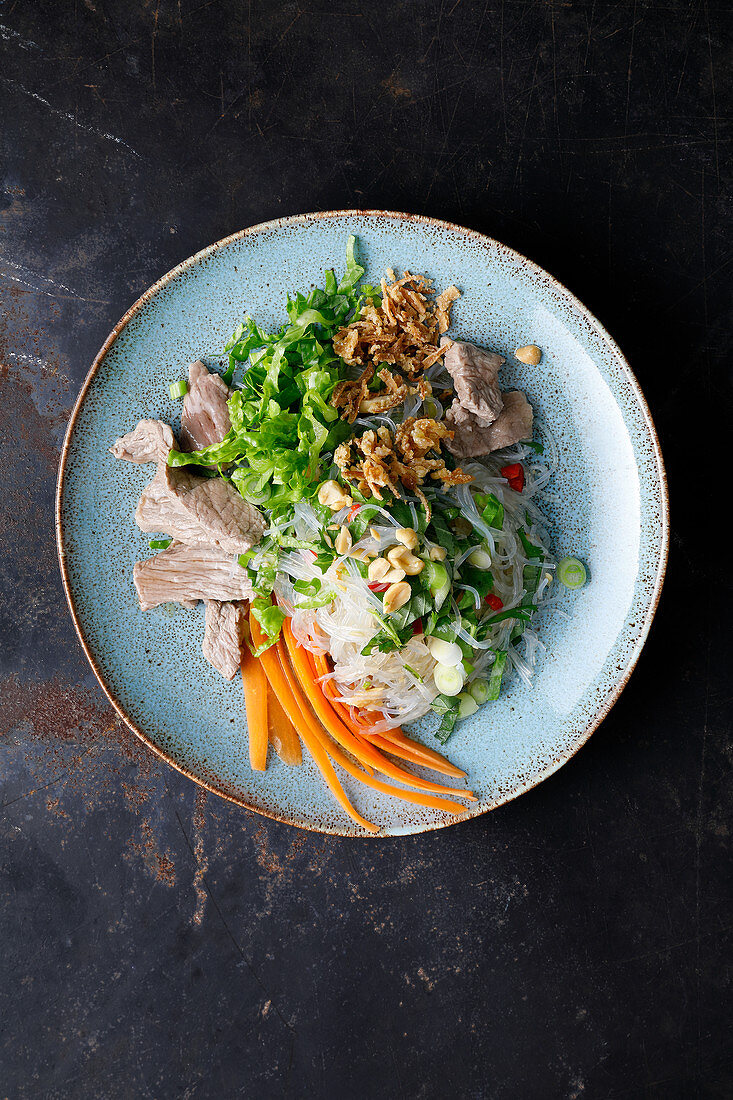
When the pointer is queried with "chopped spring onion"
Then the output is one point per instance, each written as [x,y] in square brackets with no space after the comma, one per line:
[447,653]
[436,576]
[159,544]
[448,679]
[480,558]
[572,573]
[178,389]
[412,671]
[467,705]
[497,671]
[479,690]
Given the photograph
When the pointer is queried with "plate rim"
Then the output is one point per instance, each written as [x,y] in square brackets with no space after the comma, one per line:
[548,279]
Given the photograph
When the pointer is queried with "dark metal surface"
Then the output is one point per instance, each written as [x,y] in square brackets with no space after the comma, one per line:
[159,942]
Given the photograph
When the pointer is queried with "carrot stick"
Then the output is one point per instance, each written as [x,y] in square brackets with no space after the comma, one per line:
[341,758]
[416,752]
[430,757]
[255,698]
[303,722]
[283,737]
[365,753]
[359,726]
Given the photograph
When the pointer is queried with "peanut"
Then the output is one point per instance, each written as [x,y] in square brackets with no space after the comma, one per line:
[332,496]
[396,596]
[402,558]
[378,569]
[438,553]
[530,354]
[407,536]
[342,542]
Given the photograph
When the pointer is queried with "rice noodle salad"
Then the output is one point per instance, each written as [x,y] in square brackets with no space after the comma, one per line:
[358,503]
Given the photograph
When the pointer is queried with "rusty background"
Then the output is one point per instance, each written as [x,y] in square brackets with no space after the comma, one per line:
[159,942]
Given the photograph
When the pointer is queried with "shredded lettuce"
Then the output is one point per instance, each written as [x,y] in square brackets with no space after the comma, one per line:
[282,418]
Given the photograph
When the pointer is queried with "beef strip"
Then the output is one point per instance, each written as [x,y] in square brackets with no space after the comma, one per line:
[475,375]
[190,573]
[224,634]
[473,437]
[205,416]
[150,441]
[199,511]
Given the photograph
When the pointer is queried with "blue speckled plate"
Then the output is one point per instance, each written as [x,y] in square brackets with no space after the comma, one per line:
[611,509]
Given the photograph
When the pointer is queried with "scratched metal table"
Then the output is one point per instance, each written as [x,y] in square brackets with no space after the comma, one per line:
[157,942]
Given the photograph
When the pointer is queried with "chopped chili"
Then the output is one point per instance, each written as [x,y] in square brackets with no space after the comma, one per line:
[514,474]
[494,602]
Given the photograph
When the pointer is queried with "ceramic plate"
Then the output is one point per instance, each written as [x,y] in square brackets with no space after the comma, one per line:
[609,508]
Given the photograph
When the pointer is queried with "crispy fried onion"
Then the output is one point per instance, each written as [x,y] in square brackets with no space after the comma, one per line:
[402,332]
[377,460]
[353,397]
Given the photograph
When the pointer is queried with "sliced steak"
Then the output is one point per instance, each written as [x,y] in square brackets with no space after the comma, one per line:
[199,511]
[474,437]
[151,441]
[224,635]
[190,573]
[205,416]
[475,374]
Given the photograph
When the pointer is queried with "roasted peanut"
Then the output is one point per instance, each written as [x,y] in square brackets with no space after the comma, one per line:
[378,569]
[438,553]
[396,596]
[342,542]
[332,496]
[407,536]
[530,354]
[402,558]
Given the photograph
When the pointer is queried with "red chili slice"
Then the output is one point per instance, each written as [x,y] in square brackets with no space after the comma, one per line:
[494,602]
[378,586]
[417,626]
[514,474]
[352,512]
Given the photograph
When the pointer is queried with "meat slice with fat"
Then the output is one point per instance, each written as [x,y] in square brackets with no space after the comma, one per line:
[205,416]
[475,374]
[199,511]
[472,437]
[224,635]
[190,573]
[150,441]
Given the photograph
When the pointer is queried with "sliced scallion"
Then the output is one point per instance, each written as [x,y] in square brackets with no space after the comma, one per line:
[178,389]
[448,679]
[467,705]
[159,544]
[479,689]
[572,573]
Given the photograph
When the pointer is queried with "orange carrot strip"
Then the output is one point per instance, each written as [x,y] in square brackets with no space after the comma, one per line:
[414,756]
[255,697]
[431,758]
[328,688]
[418,753]
[358,726]
[303,721]
[341,758]
[365,753]
[397,792]
[283,737]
